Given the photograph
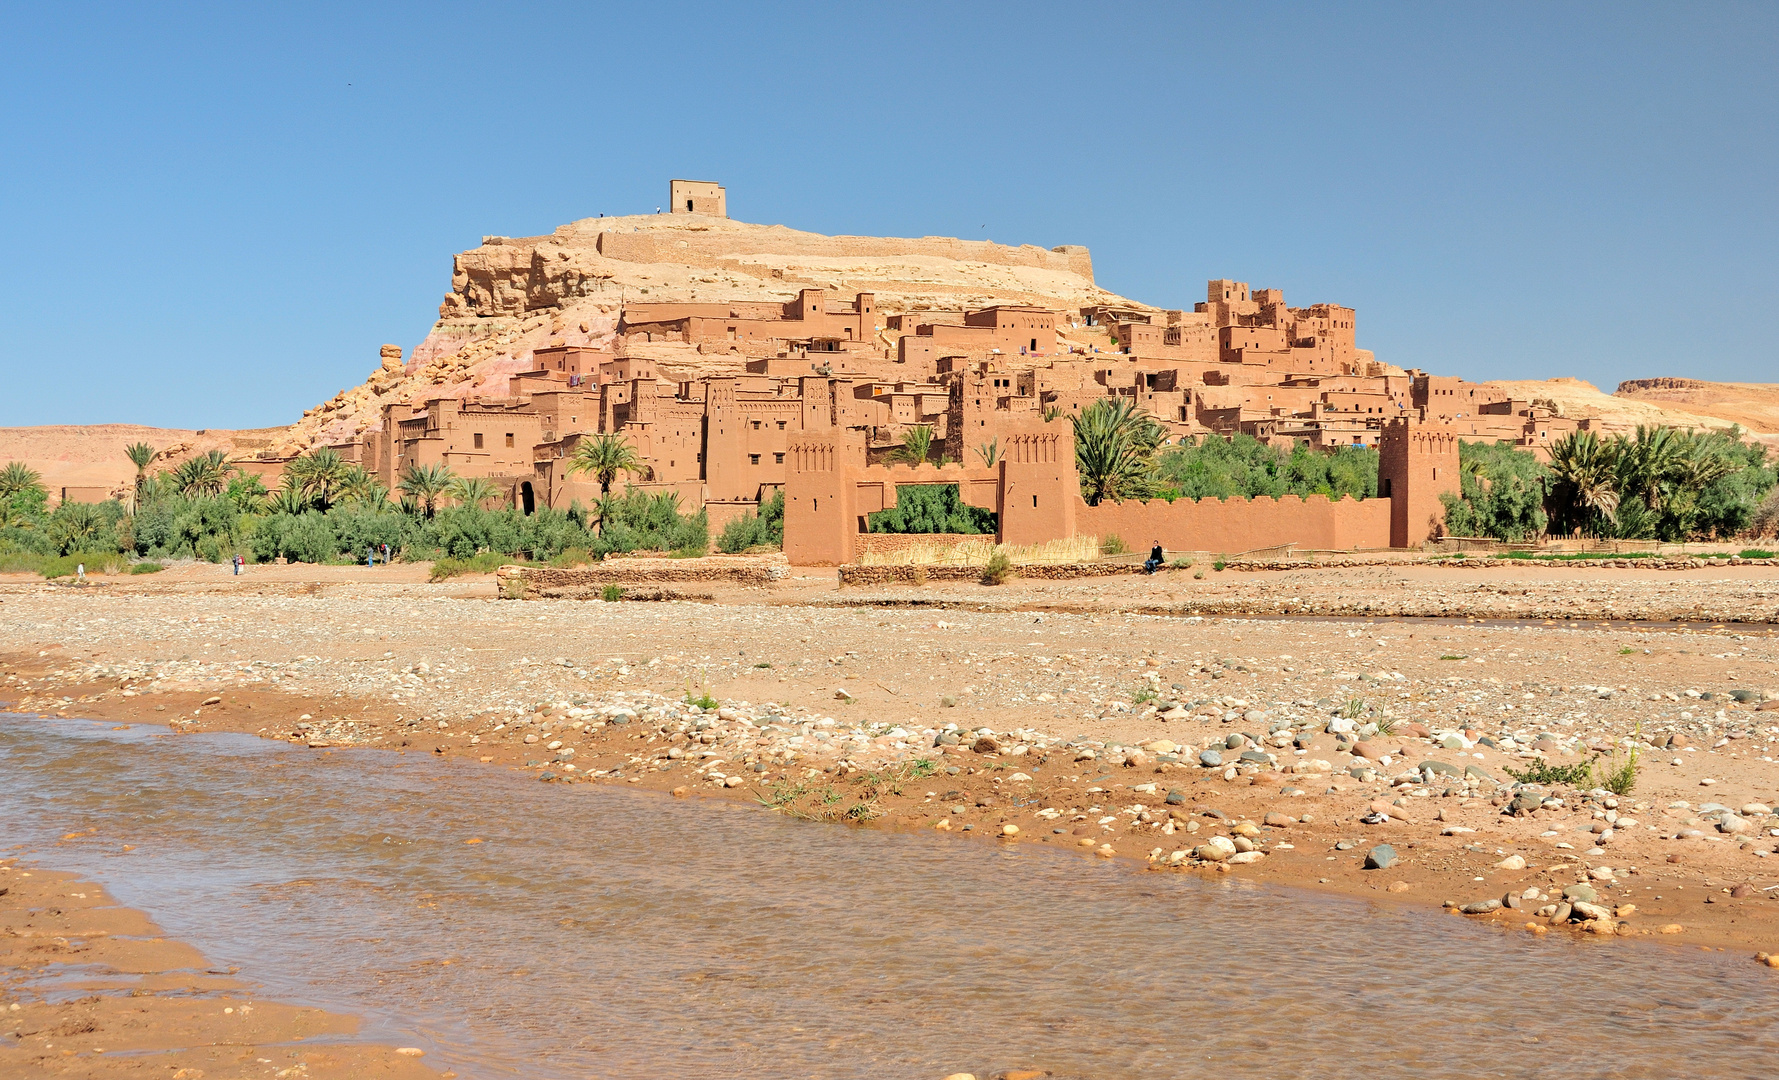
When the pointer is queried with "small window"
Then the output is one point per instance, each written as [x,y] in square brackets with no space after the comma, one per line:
[509,438]
[756,425]
[781,425]
[478,440]
[778,459]
[753,459]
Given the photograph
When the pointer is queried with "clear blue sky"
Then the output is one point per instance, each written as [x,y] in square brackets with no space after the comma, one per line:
[214,215]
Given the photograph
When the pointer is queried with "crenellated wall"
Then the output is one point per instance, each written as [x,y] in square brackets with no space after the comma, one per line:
[1236,525]
[1036,494]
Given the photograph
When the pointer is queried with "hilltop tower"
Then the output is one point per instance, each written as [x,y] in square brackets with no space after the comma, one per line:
[697,197]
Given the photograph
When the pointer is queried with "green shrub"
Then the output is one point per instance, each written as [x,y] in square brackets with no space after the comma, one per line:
[1501,493]
[751,530]
[1245,467]
[1579,774]
[1113,544]
[147,568]
[931,508]
[611,594]
[998,569]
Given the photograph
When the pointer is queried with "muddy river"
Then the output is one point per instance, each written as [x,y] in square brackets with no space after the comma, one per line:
[514,928]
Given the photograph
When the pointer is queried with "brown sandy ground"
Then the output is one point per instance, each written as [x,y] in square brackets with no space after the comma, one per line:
[139,1005]
[830,705]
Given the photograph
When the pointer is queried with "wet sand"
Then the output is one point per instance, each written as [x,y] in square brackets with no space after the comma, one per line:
[91,989]
[345,660]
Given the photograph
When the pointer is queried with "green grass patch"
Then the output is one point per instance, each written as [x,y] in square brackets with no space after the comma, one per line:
[22,562]
[611,594]
[1757,553]
[96,562]
[573,557]
[1455,656]
[484,563]
[147,568]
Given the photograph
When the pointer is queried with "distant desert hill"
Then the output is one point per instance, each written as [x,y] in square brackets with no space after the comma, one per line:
[92,455]
[1753,405]
[1704,405]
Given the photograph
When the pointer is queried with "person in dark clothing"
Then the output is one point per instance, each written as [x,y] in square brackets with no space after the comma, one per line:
[1155,560]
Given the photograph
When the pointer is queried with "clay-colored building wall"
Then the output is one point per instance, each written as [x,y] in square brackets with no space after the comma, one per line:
[1232,526]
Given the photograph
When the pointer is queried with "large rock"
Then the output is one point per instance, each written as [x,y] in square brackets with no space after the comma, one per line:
[1381,857]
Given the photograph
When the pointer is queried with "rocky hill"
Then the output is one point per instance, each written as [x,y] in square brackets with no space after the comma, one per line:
[512,295]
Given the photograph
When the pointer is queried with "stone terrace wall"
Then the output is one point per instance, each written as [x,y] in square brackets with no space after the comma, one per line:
[1237,525]
[738,570]
[920,575]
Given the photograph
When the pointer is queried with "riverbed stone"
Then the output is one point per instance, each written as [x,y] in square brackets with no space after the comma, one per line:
[1210,759]
[1381,857]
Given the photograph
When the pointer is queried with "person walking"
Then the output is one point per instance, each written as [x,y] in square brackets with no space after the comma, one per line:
[236,563]
[1155,559]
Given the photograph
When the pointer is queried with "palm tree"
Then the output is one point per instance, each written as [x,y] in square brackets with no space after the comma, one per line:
[288,499]
[1643,467]
[363,488]
[989,452]
[18,478]
[19,485]
[916,445]
[1115,445]
[320,474]
[141,455]
[605,456]
[473,491]
[603,509]
[1584,474]
[75,525]
[425,483]
[207,474]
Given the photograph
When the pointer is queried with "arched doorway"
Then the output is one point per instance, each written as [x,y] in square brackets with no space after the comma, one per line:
[527,501]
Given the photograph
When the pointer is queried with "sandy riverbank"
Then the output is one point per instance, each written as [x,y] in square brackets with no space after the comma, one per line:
[89,989]
[824,693]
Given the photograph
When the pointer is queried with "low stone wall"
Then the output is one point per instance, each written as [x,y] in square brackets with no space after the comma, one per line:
[736,569]
[1689,563]
[920,575]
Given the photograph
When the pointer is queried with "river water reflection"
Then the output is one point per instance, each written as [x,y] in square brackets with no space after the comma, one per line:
[594,932]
